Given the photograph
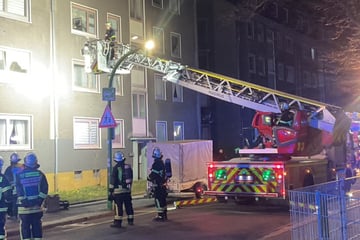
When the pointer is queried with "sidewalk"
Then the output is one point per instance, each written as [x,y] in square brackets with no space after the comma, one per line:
[75,213]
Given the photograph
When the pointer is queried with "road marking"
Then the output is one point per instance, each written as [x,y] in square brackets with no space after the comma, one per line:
[278,232]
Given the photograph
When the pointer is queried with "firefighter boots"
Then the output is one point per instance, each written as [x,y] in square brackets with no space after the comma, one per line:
[116,224]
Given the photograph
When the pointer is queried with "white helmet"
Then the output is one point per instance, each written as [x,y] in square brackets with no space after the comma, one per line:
[284,106]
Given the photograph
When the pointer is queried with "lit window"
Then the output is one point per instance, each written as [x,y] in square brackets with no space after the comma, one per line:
[161,131]
[15,9]
[177,91]
[84,20]
[178,131]
[15,132]
[14,62]
[86,133]
[83,81]
[118,141]
[175,41]
[174,6]
[116,25]
[160,87]
[158,37]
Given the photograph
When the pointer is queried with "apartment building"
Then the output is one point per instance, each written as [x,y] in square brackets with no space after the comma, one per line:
[52,107]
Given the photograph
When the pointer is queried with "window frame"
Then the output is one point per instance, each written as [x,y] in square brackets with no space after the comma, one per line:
[158,5]
[179,91]
[119,131]
[6,72]
[159,87]
[177,36]
[119,85]
[157,34]
[95,126]
[252,62]
[174,6]
[158,125]
[88,10]
[175,124]
[87,75]
[23,18]
[29,132]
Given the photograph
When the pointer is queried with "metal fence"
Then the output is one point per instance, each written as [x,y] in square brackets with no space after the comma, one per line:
[326,211]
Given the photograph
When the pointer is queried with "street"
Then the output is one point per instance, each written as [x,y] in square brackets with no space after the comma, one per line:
[209,221]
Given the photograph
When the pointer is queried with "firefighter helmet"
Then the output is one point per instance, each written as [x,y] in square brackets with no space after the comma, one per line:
[284,106]
[156,153]
[14,158]
[119,156]
[31,160]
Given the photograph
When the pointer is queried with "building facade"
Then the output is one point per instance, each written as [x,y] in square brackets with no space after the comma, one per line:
[52,107]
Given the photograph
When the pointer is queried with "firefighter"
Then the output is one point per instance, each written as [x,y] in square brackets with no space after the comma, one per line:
[120,190]
[10,173]
[158,179]
[286,117]
[110,39]
[5,196]
[32,189]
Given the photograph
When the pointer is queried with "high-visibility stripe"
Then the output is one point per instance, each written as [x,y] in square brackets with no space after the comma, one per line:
[194,202]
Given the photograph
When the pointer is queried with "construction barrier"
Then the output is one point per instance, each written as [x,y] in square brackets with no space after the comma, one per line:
[325,211]
[183,203]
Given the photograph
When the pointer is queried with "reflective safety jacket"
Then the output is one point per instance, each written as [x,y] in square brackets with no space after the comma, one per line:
[157,175]
[11,172]
[121,179]
[32,189]
[5,193]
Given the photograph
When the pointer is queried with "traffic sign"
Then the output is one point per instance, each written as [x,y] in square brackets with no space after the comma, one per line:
[108,94]
[107,119]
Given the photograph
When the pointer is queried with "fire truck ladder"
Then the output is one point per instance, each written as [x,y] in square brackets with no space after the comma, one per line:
[321,116]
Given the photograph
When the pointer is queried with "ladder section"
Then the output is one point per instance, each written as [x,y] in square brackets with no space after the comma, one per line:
[321,116]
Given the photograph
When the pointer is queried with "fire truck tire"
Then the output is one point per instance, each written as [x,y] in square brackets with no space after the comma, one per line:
[199,189]
[221,199]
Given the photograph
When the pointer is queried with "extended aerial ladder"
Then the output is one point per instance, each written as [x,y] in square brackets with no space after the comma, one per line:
[321,116]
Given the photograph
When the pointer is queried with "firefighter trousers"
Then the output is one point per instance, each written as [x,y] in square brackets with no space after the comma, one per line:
[126,200]
[160,194]
[30,225]
[2,225]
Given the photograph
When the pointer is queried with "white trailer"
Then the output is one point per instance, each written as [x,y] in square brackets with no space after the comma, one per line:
[188,163]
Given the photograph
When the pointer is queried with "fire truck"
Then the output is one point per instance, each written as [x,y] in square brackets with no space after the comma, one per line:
[290,156]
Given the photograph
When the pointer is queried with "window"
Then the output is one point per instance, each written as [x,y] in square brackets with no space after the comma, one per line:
[84,20]
[15,62]
[15,9]
[250,30]
[178,131]
[314,80]
[160,87]
[116,25]
[290,74]
[269,36]
[136,9]
[307,78]
[271,66]
[177,91]
[260,32]
[161,131]
[175,41]
[15,132]
[158,37]
[289,45]
[86,133]
[118,84]
[279,39]
[157,3]
[252,64]
[261,66]
[118,141]
[280,72]
[174,6]
[83,81]
[139,107]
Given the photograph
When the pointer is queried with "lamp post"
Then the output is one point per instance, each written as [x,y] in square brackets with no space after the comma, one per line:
[148,45]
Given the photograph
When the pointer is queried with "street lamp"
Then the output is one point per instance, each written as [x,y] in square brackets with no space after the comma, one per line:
[148,45]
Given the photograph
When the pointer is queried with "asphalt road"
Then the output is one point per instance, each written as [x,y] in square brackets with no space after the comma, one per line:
[212,221]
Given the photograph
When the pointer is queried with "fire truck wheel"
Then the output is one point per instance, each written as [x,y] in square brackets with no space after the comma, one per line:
[244,200]
[199,189]
[221,199]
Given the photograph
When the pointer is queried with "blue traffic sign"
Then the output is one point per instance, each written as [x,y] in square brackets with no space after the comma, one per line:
[107,119]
